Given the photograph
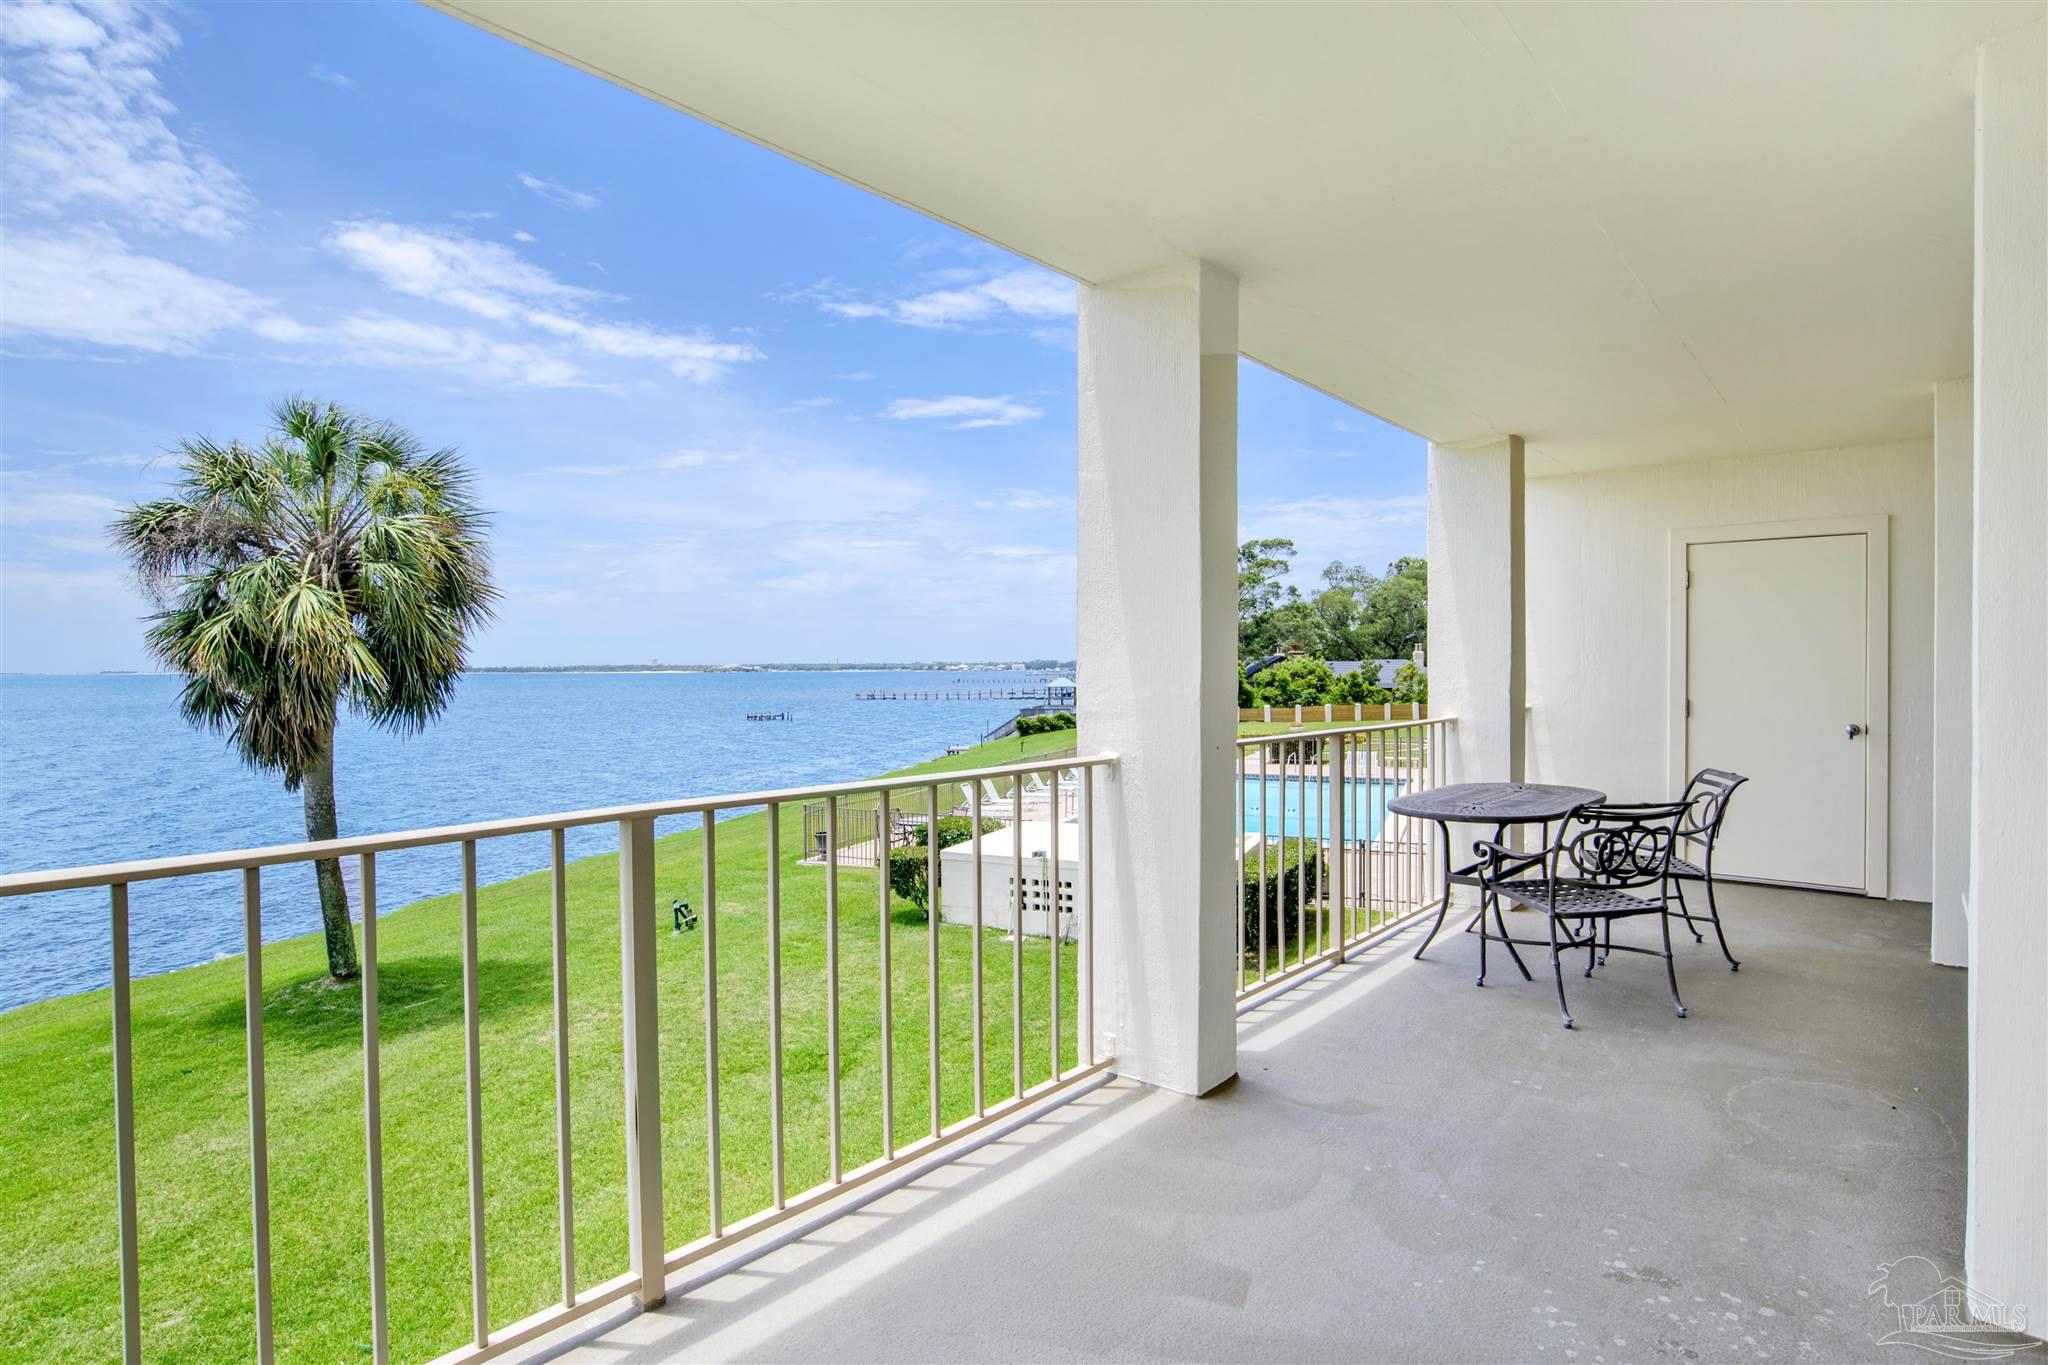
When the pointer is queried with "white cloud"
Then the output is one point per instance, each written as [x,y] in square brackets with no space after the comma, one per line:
[90,287]
[1408,509]
[333,78]
[523,236]
[1027,500]
[696,459]
[1031,293]
[1027,293]
[51,28]
[87,286]
[403,343]
[495,282]
[86,123]
[47,507]
[1358,530]
[558,194]
[473,215]
[858,376]
[999,411]
[823,400]
[478,277]
[1018,551]
[696,358]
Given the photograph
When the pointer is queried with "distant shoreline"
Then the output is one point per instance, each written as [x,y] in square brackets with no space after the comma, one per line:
[1008,666]
[1027,666]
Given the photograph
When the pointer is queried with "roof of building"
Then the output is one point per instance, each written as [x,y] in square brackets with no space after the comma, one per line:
[1384,669]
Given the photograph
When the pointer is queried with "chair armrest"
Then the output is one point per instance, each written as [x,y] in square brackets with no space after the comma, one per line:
[1500,862]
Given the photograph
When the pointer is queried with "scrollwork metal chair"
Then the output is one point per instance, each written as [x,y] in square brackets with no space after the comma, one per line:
[1606,863]
[1706,806]
[1706,802]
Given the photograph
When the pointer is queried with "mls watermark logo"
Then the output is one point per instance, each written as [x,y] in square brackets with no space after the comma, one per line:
[1940,1314]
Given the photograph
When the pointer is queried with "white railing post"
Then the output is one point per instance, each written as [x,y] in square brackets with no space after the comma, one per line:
[124,1137]
[642,1059]
[259,1123]
[473,1087]
[1337,788]
[373,1118]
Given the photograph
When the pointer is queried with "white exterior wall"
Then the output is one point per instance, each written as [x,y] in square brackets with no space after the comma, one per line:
[1599,599]
[1157,633]
[999,889]
[1954,449]
[1477,621]
[2005,1244]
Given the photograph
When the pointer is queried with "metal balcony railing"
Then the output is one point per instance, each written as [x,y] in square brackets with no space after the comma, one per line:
[1064,784]
[1323,864]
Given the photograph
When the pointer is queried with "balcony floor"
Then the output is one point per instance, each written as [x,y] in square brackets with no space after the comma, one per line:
[1411,1169]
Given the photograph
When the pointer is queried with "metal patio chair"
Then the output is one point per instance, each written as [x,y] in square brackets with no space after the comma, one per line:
[1706,806]
[1606,863]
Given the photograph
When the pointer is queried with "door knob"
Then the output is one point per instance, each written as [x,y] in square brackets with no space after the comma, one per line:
[1855,730]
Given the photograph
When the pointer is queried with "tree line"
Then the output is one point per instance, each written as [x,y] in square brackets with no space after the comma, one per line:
[1356,614]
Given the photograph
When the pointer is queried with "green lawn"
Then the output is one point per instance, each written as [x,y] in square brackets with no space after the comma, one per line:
[59,1291]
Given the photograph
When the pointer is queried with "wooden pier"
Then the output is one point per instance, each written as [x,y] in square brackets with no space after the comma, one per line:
[958,694]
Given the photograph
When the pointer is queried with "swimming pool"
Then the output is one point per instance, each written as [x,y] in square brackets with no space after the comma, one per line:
[1274,807]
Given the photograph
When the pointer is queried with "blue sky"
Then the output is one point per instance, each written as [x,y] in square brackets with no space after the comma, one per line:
[725,408]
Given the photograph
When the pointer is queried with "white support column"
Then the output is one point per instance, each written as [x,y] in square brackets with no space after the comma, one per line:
[1954,450]
[1478,633]
[1158,662]
[2005,1237]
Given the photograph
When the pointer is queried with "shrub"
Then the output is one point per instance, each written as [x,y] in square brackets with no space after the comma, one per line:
[1283,857]
[955,829]
[1361,686]
[907,877]
[1294,682]
[1045,725]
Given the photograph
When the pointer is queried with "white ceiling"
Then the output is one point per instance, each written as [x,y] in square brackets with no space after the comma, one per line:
[1628,233]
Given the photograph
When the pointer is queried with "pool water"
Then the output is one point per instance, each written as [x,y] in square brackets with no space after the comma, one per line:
[1274,807]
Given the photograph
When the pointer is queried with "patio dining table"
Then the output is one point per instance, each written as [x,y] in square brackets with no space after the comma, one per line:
[1499,804]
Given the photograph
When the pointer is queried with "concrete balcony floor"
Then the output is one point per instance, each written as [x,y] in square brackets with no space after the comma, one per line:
[1411,1169]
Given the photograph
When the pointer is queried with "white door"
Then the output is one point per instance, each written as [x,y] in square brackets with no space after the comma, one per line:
[1777,690]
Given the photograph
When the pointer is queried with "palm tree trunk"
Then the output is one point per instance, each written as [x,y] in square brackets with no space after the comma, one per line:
[320,824]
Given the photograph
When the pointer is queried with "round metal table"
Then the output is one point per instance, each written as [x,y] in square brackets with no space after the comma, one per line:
[1499,804]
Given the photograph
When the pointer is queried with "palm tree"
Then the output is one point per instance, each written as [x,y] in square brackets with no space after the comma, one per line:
[338,560]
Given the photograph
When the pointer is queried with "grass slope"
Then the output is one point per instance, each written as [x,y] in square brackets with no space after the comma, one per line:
[59,1291]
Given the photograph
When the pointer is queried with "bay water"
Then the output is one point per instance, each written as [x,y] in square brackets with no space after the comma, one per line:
[101,768]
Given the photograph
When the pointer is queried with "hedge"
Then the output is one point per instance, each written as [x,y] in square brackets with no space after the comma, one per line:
[1282,900]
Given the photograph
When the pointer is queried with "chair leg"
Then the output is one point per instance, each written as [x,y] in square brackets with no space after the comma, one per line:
[1484,897]
[1557,970]
[1685,910]
[1670,963]
[1606,941]
[1714,912]
[1500,922]
[1593,955]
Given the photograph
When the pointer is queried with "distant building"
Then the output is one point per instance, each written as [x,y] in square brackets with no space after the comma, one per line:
[1383,670]
[1059,692]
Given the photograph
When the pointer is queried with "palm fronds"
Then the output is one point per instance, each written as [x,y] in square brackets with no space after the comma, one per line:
[337,562]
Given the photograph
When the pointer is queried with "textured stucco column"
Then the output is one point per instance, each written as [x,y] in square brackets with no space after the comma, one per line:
[1954,451]
[1158,663]
[2006,1235]
[1478,633]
